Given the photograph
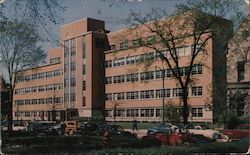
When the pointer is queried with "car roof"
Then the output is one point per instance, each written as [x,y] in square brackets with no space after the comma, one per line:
[244,125]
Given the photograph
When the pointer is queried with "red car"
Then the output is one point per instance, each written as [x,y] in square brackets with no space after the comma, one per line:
[178,138]
[242,131]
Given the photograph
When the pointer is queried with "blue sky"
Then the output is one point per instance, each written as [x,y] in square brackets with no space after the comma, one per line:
[110,11]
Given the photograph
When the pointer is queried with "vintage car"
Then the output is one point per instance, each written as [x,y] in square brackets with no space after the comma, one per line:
[163,128]
[180,137]
[114,131]
[213,134]
[242,131]
[16,126]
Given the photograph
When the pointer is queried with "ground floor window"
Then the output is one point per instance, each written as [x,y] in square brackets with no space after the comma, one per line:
[132,112]
[147,112]
[197,112]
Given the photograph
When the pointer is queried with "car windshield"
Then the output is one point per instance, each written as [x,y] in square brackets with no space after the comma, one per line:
[165,126]
[244,127]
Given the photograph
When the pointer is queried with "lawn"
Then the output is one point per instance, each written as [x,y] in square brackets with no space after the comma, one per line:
[141,125]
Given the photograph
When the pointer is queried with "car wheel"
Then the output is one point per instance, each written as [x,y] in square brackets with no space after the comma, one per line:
[225,138]
[71,132]
[186,144]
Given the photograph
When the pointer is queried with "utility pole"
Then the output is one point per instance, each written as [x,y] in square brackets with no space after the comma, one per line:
[163,92]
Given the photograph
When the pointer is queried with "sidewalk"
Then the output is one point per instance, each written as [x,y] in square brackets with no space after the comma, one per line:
[140,133]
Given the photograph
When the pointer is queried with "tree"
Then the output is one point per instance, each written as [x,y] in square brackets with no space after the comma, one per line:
[38,13]
[194,23]
[19,50]
[172,112]
[115,104]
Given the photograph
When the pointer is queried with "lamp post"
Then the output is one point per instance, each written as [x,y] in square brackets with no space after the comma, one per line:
[163,91]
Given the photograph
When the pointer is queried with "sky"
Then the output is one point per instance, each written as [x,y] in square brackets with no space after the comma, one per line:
[110,11]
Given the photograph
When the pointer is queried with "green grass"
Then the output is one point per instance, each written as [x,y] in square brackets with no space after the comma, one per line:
[215,148]
[146,125]
[141,125]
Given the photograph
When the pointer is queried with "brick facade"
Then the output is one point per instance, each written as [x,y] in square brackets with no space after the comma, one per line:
[238,71]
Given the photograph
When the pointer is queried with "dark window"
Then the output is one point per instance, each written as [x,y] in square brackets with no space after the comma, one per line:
[73,82]
[66,48]
[197,112]
[83,69]
[151,39]
[83,101]
[73,66]
[241,70]
[136,42]
[108,63]
[124,45]
[112,47]
[83,85]
[83,47]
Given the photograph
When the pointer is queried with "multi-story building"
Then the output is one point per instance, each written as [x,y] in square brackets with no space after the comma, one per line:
[134,86]
[238,71]
[94,72]
[71,84]
[84,42]
[39,92]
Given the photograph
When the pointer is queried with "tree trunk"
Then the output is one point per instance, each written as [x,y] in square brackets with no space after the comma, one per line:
[185,111]
[53,115]
[114,115]
[185,106]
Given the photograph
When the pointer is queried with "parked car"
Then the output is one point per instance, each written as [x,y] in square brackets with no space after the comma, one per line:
[55,129]
[71,127]
[163,128]
[181,137]
[114,131]
[242,131]
[213,134]
[15,127]
[87,128]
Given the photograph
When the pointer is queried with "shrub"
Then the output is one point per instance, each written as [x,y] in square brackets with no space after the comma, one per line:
[232,121]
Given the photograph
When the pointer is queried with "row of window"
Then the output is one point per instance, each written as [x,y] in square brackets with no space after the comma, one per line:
[70,46]
[39,101]
[40,114]
[70,97]
[195,112]
[146,94]
[181,51]
[40,75]
[41,88]
[134,43]
[54,60]
[197,69]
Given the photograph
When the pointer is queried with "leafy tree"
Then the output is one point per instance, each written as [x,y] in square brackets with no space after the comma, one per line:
[172,112]
[38,13]
[19,50]
[194,23]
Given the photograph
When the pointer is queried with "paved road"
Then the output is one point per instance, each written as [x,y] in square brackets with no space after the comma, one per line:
[140,133]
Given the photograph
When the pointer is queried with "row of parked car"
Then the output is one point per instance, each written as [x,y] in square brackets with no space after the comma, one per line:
[167,133]
[74,128]
[170,134]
